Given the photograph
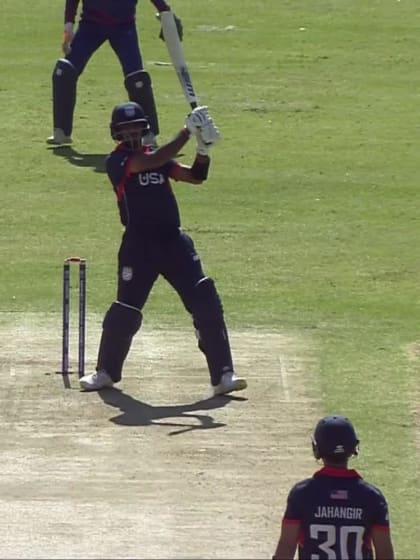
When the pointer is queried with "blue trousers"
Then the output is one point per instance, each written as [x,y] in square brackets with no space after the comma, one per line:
[123,39]
[174,258]
[141,260]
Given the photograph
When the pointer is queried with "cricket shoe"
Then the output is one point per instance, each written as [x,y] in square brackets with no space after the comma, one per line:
[59,138]
[228,383]
[95,381]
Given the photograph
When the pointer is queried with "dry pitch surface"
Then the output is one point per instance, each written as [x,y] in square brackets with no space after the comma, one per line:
[154,469]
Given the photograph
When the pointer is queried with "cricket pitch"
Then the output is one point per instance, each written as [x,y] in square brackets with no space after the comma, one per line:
[155,468]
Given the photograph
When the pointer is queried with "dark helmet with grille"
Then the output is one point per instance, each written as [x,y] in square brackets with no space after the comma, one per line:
[129,124]
[334,438]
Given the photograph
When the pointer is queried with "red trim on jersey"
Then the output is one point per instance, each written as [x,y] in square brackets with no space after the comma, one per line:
[121,189]
[383,528]
[291,521]
[337,473]
[121,185]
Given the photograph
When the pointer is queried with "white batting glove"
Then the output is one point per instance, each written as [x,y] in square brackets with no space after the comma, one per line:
[197,118]
[67,38]
[207,136]
[209,133]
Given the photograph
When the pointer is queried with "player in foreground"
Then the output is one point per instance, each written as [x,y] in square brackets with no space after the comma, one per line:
[153,244]
[335,514]
[101,21]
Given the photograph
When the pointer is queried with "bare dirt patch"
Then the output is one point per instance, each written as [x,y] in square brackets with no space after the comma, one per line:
[154,469]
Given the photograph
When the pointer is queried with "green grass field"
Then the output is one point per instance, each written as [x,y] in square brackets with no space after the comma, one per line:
[310,219]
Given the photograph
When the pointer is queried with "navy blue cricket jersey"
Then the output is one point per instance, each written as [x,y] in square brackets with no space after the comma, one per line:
[146,200]
[336,511]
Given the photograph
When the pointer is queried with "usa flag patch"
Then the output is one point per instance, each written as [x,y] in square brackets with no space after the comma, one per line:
[339,495]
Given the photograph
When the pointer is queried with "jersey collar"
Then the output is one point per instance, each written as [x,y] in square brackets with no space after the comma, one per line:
[337,473]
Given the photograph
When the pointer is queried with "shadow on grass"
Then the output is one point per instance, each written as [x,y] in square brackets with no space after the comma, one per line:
[94,161]
[138,413]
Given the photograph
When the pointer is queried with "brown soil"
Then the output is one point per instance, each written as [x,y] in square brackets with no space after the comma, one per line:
[154,469]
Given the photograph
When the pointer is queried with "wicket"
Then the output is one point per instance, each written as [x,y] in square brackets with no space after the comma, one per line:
[81,263]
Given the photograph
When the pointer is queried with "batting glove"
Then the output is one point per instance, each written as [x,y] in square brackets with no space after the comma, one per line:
[196,119]
[207,136]
[209,133]
[179,27]
[68,35]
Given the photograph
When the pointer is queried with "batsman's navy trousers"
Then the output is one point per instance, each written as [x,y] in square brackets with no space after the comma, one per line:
[142,259]
[122,38]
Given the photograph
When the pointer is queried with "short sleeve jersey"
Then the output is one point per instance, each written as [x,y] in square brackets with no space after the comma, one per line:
[146,201]
[336,511]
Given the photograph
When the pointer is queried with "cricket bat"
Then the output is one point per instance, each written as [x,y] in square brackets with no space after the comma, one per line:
[176,53]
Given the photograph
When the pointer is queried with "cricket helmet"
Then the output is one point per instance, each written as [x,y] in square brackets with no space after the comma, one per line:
[129,124]
[334,437]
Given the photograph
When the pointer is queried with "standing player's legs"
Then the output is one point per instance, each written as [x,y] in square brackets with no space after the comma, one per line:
[125,43]
[184,272]
[64,81]
[123,319]
[88,38]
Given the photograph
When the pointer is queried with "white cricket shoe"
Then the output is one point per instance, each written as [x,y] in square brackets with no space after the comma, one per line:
[95,381]
[59,138]
[230,382]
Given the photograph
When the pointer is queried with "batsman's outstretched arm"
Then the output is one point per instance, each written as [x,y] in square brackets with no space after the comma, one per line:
[207,135]
[141,161]
[195,174]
